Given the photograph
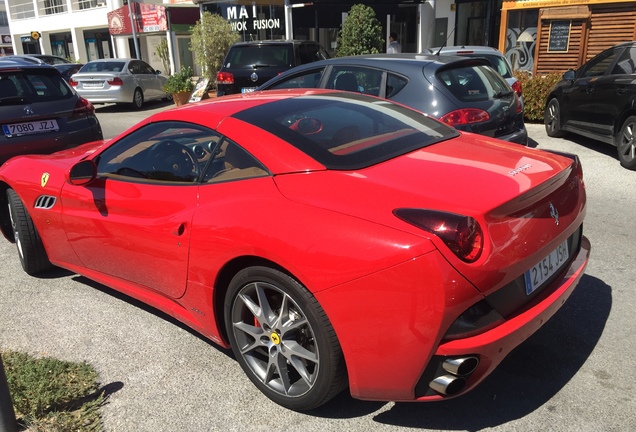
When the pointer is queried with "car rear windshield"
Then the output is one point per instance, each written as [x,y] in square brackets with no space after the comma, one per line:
[33,86]
[346,130]
[247,56]
[497,62]
[111,66]
[473,83]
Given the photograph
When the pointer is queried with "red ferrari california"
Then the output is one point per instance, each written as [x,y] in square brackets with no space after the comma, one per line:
[331,239]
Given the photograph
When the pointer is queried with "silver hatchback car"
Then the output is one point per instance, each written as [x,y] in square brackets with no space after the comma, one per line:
[129,81]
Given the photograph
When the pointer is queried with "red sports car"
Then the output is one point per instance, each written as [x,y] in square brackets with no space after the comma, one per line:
[330,239]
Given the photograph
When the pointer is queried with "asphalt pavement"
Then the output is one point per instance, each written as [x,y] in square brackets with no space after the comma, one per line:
[575,374]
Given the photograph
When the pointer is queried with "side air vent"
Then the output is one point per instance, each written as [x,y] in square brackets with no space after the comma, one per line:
[45,202]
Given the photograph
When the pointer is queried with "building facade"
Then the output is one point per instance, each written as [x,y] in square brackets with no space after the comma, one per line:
[544,36]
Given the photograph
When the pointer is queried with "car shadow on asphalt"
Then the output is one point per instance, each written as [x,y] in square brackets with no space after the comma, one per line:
[147,106]
[527,379]
[150,309]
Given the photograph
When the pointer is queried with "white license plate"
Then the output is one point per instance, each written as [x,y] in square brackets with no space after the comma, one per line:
[248,89]
[545,268]
[91,85]
[28,128]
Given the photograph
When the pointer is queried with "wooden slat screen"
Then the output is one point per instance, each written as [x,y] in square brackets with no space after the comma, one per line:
[610,26]
[547,62]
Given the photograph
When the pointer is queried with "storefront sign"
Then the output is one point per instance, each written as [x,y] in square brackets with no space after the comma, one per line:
[148,18]
[559,36]
[6,39]
[250,19]
[527,4]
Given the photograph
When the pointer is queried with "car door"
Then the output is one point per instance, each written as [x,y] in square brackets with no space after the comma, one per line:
[585,100]
[134,221]
[146,78]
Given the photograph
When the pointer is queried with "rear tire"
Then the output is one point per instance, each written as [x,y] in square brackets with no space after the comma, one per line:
[30,248]
[552,119]
[138,99]
[626,143]
[283,339]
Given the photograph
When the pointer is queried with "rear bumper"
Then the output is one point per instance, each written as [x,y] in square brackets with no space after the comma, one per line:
[520,136]
[390,325]
[90,130]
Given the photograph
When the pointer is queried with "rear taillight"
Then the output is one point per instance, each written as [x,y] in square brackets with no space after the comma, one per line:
[72,82]
[115,82]
[224,78]
[83,108]
[465,116]
[517,88]
[462,234]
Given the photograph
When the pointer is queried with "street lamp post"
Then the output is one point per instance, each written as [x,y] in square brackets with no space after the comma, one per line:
[7,415]
[134,32]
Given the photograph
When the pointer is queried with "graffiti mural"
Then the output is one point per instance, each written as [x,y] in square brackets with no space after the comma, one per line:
[520,48]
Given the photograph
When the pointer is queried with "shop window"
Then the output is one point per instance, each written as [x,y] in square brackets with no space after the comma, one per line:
[521,37]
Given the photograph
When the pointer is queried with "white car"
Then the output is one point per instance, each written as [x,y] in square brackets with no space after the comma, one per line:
[129,81]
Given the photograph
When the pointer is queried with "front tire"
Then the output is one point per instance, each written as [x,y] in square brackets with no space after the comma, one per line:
[30,248]
[138,99]
[552,119]
[626,143]
[283,339]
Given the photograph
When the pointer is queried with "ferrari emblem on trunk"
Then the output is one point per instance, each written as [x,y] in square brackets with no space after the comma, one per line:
[554,214]
[45,178]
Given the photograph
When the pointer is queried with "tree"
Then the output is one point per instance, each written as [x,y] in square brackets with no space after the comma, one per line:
[361,33]
[164,55]
[212,37]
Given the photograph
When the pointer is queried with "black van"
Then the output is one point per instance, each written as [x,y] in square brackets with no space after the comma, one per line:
[250,64]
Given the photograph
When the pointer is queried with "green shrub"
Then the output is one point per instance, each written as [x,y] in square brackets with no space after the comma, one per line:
[180,81]
[361,33]
[535,92]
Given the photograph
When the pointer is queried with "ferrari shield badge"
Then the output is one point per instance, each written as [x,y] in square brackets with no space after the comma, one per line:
[44,179]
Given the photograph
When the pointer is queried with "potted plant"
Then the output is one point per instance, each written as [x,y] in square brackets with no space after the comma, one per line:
[180,85]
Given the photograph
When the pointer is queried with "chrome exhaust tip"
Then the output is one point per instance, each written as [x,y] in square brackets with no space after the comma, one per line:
[448,385]
[460,366]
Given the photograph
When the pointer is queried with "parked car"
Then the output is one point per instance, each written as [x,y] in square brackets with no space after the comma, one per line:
[597,101]
[497,60]
[128,81]
[250,64]
[65,67]
[462,92]
[289,224]
[39,113]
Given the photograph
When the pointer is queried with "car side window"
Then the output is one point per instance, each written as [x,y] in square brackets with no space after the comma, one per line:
[356,79]
[394,84]
[306,79]
[599,65]
[626,62]
[164,152]
[145,68]
[232,162]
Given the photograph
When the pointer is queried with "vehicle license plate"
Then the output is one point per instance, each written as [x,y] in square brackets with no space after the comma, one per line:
[248,89]
[28,128]
[93,84]
[545,268]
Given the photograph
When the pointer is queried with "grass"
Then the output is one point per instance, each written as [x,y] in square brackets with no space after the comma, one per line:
[53,395]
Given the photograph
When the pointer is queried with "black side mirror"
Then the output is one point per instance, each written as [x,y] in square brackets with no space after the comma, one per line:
[569,75]
[82,173]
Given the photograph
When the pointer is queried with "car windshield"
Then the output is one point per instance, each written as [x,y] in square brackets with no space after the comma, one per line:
[33,86]
[241,56]
[345,130]
[108,66]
